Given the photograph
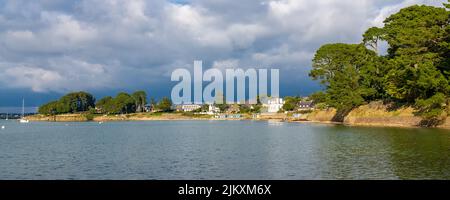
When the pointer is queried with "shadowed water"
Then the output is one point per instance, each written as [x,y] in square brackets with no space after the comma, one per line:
[220,150]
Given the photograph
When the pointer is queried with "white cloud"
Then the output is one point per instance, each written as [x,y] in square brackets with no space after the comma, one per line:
[58,75]
[244,35]
[66,29]
[226,64]
[38,79]
[61,33]
[391,9]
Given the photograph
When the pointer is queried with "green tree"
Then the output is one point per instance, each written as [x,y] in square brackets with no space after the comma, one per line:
[372,37]
[153,103]
[124,103]
[333,61]
[140,99]
[105,105]
[243,108]
[418,51]
[223,107]
[318,97]
[256,108]
[291,103]
[165,105]
[333,58]
[433,106]
[415,71]
[67,104]
[345,92]
[49,108]
[72,103]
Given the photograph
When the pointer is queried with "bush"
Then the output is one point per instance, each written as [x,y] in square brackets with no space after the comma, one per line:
[165,105]
[432,108]
[321,106]
[90,116]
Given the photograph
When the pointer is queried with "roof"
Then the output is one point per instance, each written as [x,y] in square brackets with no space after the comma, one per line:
[305,103]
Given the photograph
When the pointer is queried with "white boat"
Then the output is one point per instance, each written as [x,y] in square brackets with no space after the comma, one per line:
[7,116]
[22,119]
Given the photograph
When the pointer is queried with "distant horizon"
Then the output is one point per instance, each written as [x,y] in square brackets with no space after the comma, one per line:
[37,99]
[16,110]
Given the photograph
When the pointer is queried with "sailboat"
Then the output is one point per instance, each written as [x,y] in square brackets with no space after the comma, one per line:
[22,119]
[7,116]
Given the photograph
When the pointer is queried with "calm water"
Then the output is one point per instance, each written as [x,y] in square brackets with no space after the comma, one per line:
[220,150]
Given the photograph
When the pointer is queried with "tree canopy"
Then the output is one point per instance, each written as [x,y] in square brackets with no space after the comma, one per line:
[82,101]
[165,105]
[70,103]
[140,99]
[415,71]
[290,103]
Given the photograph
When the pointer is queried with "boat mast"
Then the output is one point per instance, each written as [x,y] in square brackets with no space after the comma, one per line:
[23,108]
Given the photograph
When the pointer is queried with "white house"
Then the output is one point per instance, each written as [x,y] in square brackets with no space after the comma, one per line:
[274,105]
[213,109]
[190,107]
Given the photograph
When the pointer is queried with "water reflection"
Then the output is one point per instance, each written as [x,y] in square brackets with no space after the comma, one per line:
[220,150]
[423,154]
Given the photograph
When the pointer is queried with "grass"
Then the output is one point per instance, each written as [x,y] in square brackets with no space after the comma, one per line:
[193,115]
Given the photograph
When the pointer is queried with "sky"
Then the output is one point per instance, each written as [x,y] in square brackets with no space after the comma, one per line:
[51,47]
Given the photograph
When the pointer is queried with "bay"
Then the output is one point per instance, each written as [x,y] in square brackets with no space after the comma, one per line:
[220,150]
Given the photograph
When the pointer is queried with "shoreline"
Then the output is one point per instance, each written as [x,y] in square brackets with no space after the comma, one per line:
[246,117]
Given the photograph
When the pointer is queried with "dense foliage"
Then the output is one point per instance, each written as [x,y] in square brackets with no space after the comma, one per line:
[140,99]
[415,71]
[70,103]
[291,103]
[123,103]
[165,105]
[82,102]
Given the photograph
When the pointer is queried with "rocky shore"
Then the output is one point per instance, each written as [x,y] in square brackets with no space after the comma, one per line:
[374,114]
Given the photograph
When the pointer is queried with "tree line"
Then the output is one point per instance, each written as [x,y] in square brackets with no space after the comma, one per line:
[122,103]
[415,71]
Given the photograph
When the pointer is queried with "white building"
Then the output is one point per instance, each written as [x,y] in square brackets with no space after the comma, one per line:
[213,109]
[190,107]
[274,105]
